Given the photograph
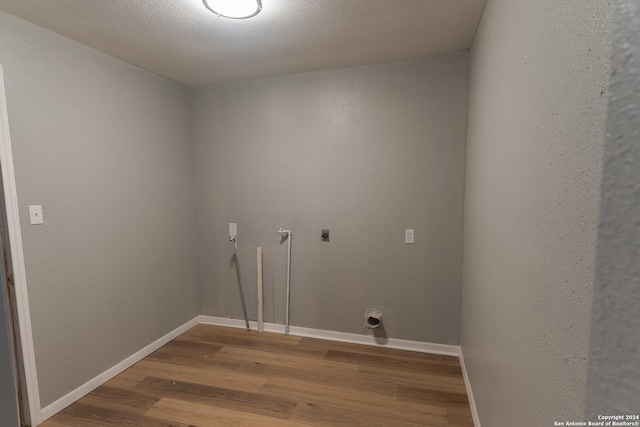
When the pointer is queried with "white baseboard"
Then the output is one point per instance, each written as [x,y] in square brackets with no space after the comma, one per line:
[422,347]
[467,384]
[94,383]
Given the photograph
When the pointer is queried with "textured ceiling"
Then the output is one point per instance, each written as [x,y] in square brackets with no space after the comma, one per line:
[182,40]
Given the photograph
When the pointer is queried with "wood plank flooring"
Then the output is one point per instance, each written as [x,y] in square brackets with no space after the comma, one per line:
[217,376]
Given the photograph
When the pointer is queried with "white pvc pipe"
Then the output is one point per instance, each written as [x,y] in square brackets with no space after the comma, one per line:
[260,303]
[286,326]
[287,234]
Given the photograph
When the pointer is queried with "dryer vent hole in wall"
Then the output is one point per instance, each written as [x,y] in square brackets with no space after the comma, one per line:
[373,319]
[373,322]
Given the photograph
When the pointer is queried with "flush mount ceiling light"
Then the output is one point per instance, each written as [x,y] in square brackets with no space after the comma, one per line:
[235,9]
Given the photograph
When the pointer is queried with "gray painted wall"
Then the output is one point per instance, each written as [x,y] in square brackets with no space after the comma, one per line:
[614,365]
[537,110]
[105,148]
[366,152]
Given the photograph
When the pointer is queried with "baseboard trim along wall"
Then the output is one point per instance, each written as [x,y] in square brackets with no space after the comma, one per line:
[89,386]
[467,385]
[422,347]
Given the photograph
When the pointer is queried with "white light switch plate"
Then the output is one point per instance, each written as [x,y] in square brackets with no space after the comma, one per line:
[409,236]
[35,215]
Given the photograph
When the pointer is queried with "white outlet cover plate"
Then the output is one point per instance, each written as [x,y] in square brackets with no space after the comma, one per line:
[35,215]
[409,236]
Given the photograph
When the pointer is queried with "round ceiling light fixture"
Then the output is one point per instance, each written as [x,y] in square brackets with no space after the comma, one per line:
[234,9]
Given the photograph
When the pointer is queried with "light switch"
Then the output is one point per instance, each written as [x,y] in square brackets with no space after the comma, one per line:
[35,214]
[409,236]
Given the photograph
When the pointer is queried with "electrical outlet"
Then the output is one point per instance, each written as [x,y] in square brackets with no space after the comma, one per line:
[325,235]
[233,229]
[409,236]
